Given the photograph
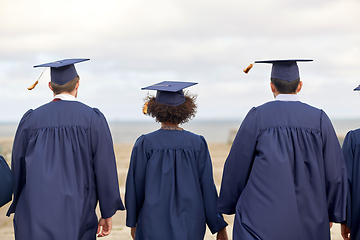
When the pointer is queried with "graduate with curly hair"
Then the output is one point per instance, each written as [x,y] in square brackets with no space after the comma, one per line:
[170,191]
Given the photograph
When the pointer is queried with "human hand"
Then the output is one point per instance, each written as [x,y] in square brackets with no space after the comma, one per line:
[132,232]
[222,234]
[105,226]
[345,232]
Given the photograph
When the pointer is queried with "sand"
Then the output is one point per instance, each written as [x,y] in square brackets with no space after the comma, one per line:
[120,231]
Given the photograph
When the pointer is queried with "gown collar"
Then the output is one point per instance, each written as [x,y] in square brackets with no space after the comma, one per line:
[287,97]
[66,97]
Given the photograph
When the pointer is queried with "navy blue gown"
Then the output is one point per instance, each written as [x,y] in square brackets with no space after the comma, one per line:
[63,163]
[170,191]
[351,152]
[6,182]
[285,176]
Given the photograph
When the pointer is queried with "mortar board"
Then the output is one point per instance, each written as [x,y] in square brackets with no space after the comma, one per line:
[170,92]
[357,88]
[287,70]
[62,71]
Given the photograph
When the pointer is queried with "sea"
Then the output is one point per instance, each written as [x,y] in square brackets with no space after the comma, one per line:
[214,131]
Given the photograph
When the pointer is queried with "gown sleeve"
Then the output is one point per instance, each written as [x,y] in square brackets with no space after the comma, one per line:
[214,220]
[335,172]
[19,149]
[135,182]
[105,170]
[238,163]
[348,148]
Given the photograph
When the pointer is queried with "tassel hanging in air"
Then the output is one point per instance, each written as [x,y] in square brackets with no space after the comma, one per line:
[37,81]
[246,70]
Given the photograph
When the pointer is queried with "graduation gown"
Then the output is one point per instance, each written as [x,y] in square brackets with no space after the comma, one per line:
[285,176]
[352,158]
[6,182]
[63,163]
[170,191]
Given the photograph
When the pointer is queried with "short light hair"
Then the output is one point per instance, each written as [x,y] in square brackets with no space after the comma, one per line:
[67,87]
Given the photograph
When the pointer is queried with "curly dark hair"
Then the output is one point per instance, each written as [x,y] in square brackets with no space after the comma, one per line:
[173,114]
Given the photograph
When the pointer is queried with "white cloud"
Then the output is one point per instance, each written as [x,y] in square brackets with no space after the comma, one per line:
[134,43]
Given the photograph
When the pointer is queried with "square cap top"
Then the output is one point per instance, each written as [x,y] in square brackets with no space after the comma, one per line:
[169,86]
[284,61]
[170,92]
[285,69]
[63,71]
[357,88]
[62,63]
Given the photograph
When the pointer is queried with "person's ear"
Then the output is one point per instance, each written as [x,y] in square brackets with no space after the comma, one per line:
[50,86]
[273,88]
[299,87]
[77,85]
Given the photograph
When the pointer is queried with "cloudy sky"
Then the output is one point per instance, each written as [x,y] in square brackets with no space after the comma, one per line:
[134,43]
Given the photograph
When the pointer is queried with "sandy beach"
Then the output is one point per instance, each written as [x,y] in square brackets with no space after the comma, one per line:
[120,231]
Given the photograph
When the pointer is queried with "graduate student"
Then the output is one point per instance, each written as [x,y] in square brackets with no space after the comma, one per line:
[285,176]
[351,151]
[63,163]
[170,191]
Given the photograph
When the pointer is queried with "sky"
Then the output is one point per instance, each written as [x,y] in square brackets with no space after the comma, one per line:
[135,43]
